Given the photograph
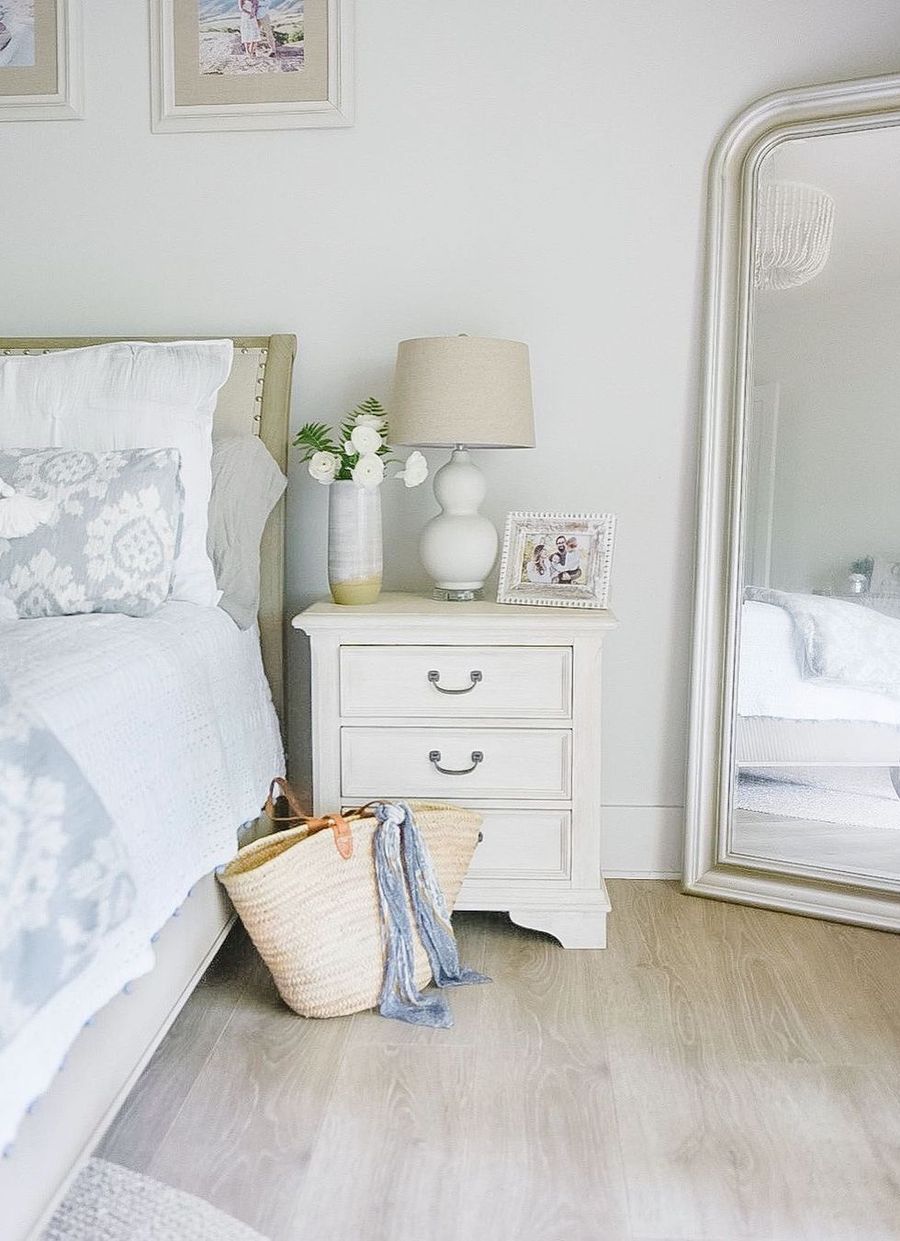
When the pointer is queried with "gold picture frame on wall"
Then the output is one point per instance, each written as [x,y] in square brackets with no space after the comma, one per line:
[40,60]
[251,64]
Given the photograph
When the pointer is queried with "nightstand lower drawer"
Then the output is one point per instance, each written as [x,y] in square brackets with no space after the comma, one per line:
[523,844]
[456,763]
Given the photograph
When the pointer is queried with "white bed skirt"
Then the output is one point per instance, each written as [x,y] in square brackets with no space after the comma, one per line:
[762,739]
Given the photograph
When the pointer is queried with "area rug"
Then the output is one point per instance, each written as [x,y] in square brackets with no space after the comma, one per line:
[111,1203]
[854,796]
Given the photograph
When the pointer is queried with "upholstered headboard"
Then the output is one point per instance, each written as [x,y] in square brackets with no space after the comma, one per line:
[257,399]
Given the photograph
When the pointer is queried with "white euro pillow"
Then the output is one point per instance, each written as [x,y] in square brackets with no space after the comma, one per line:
[128,394]
[247,484]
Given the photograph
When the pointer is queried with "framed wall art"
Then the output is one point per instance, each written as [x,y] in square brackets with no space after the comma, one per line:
[40,60]
[885,579]
[557,559]
[251,64]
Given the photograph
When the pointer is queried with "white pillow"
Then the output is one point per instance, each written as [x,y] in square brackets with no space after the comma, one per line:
[247,484]
[128,395]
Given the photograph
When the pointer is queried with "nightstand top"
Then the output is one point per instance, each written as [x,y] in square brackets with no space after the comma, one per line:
[395,608]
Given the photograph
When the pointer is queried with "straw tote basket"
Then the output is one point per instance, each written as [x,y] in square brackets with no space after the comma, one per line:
[313,912]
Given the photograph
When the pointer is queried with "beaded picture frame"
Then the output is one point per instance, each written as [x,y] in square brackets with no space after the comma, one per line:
[557,559]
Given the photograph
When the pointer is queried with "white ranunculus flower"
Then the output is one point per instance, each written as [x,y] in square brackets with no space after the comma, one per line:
[376,421]
[415,470]
[365,440]
[368,471]
[323,466]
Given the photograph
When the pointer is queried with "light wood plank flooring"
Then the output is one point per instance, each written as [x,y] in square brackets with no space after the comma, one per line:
[718,1072]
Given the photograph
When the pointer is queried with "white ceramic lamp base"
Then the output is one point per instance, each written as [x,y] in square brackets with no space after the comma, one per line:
[458,547]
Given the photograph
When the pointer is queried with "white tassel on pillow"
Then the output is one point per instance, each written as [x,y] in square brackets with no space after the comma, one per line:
[20,514]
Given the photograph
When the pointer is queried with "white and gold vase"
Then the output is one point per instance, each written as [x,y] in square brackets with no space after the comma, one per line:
[354,543]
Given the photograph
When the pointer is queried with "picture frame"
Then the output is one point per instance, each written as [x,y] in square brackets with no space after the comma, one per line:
[885,579]
[41,61]
[561,560]
[203,78]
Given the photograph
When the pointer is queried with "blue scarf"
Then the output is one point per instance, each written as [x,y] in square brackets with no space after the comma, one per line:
[402,863]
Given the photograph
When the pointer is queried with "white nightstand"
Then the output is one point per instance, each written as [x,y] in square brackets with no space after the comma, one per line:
[488,705]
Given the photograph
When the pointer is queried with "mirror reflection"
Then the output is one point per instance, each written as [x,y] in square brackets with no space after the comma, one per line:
[817,738]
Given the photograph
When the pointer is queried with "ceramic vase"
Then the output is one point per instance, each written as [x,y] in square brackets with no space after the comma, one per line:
[354,543]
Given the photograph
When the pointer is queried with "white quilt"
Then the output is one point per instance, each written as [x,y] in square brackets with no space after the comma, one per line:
[771,681]
[841,643]
[171,720]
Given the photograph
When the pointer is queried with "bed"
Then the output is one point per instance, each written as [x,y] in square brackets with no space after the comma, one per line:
[817,735]
[195,669]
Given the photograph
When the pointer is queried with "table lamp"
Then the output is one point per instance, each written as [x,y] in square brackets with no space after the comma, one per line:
[461,392]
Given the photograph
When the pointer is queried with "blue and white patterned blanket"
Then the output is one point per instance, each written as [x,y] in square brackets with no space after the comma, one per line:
[64,881]
[170,719]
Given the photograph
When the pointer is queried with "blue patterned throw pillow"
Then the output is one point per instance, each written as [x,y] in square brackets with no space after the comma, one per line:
[109,542]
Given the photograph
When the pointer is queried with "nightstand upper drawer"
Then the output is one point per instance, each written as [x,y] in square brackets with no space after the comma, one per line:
[490,682]
[455,762]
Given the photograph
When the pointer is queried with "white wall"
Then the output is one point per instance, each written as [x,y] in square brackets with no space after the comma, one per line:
[518,169]
[837,365]
[831,347]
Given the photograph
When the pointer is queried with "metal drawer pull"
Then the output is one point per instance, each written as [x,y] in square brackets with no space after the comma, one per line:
[435,757]
[434,676]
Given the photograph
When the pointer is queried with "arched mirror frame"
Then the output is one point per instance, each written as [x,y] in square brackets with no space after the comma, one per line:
[710,867]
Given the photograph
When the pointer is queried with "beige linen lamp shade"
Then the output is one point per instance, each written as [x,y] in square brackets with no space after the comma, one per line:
[461,392]
[470,390]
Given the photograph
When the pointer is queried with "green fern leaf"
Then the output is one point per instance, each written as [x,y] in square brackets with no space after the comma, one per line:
[314,437]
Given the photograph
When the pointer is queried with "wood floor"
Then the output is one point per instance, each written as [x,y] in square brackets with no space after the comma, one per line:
[718,1072]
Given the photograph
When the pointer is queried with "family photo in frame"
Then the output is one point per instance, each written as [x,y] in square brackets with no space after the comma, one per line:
[251,64]
[557,559]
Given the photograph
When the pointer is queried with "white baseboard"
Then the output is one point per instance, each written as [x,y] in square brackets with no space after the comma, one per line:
[642,842]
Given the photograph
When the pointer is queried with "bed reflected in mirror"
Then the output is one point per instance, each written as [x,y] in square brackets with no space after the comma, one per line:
[817,738]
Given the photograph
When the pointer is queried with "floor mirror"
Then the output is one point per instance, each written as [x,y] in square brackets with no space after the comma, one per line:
[793,798]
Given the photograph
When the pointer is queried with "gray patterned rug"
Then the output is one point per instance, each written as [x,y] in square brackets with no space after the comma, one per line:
[111,1203]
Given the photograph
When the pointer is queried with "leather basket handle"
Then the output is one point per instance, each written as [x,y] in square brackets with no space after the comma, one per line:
[339,823]
[343,836]
[284,791]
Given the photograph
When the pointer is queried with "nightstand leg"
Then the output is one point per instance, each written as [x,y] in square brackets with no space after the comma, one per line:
[574,928]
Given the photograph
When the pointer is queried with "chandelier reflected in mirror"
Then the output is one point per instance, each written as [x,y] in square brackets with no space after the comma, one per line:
[794,225]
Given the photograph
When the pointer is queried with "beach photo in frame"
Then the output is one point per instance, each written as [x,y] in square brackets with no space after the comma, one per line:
[251,64]
[557,559]
[40,60]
